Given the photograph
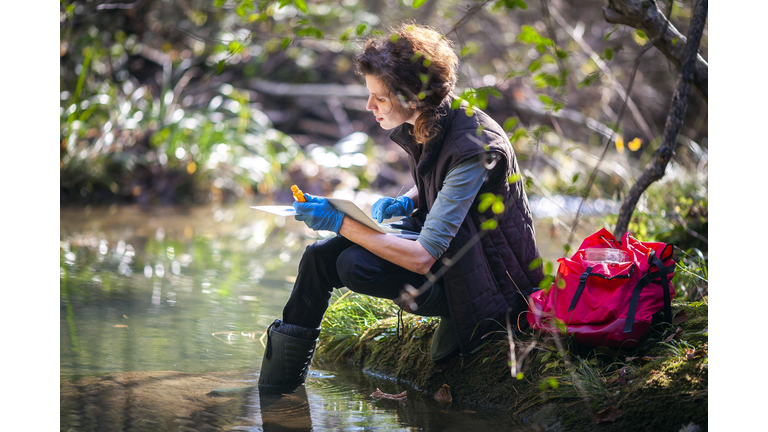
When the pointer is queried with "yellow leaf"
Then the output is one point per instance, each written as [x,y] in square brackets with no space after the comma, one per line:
[191,167]
[619,144]
[635,144]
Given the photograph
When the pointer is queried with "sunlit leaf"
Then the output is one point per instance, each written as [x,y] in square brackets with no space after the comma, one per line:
[519,133]
[545,99]
[301,5]
[510,124]
[361,29]
[418,3]
[490,224]
[536,263]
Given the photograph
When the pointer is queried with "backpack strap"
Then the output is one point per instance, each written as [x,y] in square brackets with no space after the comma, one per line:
[582,284]
[661,277]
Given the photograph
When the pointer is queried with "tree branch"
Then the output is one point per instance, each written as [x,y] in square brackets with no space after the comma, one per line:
[645,15]
[655,168]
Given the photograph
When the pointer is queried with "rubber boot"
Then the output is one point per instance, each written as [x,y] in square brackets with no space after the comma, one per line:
[287,358]
[445,343]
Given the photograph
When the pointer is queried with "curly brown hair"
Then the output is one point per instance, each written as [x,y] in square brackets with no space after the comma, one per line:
[417,64]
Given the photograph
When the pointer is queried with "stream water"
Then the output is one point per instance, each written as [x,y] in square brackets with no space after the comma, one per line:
[191,291]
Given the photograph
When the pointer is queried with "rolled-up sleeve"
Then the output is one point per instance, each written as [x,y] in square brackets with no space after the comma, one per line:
[452,205]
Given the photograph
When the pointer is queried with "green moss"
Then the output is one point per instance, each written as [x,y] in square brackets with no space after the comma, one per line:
[655,386]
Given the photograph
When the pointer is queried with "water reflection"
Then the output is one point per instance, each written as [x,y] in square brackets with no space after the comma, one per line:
[159,308]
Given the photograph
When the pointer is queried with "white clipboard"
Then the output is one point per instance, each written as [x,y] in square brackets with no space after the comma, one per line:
[350,209]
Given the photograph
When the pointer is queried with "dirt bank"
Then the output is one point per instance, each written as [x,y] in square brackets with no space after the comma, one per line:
[661,385]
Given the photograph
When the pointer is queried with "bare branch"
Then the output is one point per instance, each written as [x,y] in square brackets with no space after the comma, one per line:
[639,119]
[645,15]
[655,168]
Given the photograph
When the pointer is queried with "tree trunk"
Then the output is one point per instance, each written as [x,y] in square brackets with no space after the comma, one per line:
[655,168]
[646,16]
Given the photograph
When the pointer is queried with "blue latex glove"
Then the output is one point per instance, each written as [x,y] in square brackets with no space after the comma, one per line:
[319,214]
[387,207]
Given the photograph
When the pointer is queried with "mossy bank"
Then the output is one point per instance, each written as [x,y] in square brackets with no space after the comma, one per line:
[662,385]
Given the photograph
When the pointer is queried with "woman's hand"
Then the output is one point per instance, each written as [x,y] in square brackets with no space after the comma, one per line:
[387,207]
[319,214]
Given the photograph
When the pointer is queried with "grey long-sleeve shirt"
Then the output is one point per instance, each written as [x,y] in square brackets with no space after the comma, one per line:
[451,206]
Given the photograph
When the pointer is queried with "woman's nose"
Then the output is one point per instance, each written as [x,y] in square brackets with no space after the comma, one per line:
[370,106]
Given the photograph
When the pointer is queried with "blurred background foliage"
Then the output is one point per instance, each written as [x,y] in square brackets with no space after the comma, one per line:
[193,102]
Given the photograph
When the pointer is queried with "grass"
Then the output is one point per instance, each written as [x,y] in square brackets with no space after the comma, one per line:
[349,319]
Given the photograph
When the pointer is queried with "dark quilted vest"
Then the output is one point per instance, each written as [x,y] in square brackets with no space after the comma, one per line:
[485,282]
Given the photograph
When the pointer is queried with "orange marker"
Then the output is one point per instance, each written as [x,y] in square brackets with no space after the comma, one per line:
[298,195]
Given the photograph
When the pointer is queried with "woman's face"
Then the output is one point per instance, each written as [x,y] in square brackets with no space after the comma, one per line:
[383,105]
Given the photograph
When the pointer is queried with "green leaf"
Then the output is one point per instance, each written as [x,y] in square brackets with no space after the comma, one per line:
[235,48]
[608,54]
[301,5]
[469,49]
[535,65]
[311,32]
[361,29]
[514,73]
[510,124]
[498,207]
[220,67]
[613,30]
[574,178]
[545,99]
[418,3]
[514,178]
[641,34]
[535,264]
[219,3]
[490,224]
[285,42]
[518,134]
[588,80]
[345,36]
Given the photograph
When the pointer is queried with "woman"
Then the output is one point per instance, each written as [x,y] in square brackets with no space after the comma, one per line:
[482,275]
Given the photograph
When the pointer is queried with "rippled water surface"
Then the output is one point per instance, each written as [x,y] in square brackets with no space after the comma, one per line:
[159,307]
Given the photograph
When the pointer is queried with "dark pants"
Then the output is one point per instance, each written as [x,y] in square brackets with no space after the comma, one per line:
[337,262]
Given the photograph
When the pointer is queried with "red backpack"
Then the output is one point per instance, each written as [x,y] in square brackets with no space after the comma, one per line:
[607,293]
